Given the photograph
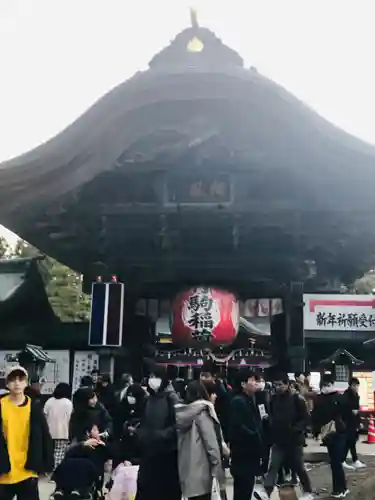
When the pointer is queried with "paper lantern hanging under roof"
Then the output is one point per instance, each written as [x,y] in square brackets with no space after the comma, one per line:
[204,316]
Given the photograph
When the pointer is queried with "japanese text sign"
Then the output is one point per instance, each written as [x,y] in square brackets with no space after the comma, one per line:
[339,312]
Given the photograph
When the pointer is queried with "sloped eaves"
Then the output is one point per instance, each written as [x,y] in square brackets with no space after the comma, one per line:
[220,104]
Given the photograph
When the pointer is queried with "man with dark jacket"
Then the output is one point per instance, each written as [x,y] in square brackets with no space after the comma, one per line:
[328,421]
[245,434]
[289,417]
[26,448]
[352,423]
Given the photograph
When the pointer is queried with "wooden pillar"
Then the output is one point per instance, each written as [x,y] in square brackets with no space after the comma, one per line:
[294,325]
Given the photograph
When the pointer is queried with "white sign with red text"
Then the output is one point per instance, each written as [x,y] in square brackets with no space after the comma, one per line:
[339,312]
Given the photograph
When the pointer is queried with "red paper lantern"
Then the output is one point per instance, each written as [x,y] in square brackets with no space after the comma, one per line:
[204,316]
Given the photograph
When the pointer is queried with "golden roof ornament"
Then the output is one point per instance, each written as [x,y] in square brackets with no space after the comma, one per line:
[195,44]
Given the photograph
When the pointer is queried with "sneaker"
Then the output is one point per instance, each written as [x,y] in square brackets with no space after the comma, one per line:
[260,493]
[346,493]
[337,495]
[359,465]
[347,466]
[307,496]
[56,495]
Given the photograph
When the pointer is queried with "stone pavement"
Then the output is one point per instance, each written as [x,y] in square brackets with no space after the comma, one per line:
[47,488]
[316,453]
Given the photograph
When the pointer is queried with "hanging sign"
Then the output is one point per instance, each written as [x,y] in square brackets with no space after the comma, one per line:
[107,313]
[339,312]
[205,316]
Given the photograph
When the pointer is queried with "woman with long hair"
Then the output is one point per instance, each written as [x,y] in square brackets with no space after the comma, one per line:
[58,411]
[128,445]
[199,445]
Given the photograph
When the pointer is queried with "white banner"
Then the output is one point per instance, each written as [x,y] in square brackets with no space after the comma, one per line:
[339,312]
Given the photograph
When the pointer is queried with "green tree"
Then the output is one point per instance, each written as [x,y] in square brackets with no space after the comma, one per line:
[63,285]
[4,247]
[366,284]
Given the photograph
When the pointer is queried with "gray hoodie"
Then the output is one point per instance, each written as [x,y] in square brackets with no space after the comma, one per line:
[199,459]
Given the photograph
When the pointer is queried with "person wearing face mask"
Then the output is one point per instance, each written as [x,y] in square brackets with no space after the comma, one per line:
[128,448]
[158,470]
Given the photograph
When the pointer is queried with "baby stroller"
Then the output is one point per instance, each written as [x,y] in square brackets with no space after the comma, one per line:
[78,479]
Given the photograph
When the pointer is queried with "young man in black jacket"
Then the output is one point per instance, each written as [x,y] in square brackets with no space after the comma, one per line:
[352,422]
[26,448]
[328,421]
[289,417]
[245,433]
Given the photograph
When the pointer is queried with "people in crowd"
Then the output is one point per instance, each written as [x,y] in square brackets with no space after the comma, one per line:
[262,401]
[87,409]
[58,410]
[199,444]
[26,448]
[328,421]
[33,390]
[128,445]
[352,422]
[95,376]
[245,433]
[211,389]
[158,470]
[288,419]
[82,467]
[106,394]
[125,383]
[223,396]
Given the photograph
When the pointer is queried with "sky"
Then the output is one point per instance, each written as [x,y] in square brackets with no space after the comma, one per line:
[57,57]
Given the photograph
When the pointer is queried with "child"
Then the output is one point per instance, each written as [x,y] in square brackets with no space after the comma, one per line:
[82,467]
[26,448]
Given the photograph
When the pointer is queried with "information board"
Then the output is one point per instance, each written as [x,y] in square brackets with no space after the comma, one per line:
[366,390]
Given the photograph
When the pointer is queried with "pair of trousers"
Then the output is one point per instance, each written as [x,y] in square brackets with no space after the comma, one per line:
[25,490]
[243,486]
[293,457]
[351,445]
[336,446]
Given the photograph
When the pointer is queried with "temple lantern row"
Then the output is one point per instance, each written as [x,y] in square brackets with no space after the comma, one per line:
[204,317]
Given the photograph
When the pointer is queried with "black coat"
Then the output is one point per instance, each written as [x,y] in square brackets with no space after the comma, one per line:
[83,419]
[107,397]
[350,403]
[289,417]
[328,407]
[158,470]
[40,452]
[245,433]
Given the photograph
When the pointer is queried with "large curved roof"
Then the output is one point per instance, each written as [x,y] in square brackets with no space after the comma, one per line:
[196,96]
[265,123]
